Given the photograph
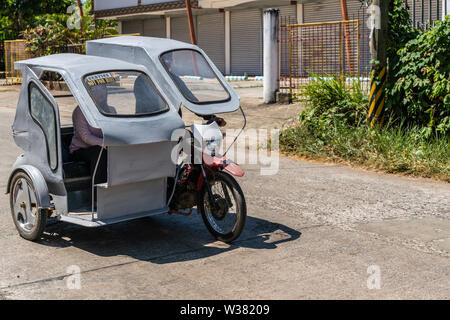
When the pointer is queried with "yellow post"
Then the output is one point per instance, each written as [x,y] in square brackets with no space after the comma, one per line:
[379,71]
[290,62]
[6,62]
[340,49]
[357,41]
[376,97]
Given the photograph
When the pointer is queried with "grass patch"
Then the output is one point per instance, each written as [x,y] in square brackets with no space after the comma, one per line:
[333,127]
[394,150]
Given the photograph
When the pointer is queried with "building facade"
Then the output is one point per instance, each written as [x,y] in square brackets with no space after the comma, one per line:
[230,31]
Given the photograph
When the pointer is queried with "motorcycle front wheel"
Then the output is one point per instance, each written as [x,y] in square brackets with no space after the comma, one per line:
[225,218]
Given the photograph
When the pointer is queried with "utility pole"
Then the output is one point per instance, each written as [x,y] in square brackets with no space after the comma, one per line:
[271,55]
[379,18]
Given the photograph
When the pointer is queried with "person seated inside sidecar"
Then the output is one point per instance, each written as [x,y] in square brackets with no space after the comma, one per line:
[87,142]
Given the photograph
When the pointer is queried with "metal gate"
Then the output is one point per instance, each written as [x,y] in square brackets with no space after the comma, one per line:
[14,51]
[326,49]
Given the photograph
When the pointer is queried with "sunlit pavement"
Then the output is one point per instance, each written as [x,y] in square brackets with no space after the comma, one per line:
[314,231]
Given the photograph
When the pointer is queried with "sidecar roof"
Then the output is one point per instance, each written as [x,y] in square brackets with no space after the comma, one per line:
[147,51]
[77,65]
[116,130]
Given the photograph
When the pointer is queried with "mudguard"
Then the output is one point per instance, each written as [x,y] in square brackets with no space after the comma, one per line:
[40,186]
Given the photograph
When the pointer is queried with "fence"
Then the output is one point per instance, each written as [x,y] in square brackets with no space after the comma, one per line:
[15,50]
[424,13]
[325,49]
[4,35]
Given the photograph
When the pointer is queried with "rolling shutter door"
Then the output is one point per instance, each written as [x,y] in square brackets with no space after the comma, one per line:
[180,29]
[211,37]
[155,28]
[246,42]
[132,26]
[289,12]
[322,11]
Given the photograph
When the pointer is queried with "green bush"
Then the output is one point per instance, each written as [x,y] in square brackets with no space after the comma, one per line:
[333,126]
[420,92]
[333,99]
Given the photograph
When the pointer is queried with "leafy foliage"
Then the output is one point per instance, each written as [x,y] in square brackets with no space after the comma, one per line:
[422,86]
[53,35]
[333,127]
[418,85]
[17,15]
[331,100]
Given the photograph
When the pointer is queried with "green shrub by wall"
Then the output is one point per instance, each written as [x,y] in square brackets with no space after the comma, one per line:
[418,92]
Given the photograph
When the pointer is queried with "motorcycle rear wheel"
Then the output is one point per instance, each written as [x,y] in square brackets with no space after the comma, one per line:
[230,206]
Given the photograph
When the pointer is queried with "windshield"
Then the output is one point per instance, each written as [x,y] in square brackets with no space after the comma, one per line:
[124,93]
[194,77]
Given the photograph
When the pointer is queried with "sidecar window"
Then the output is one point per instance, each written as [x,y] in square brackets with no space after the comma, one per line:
[43,114]
[58,88]
[194,77]
[124,93]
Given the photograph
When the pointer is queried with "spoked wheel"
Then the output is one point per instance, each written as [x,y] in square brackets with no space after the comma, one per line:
[29,220]
[225,219]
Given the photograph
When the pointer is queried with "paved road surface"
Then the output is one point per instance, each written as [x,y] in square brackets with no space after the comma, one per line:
[314,231]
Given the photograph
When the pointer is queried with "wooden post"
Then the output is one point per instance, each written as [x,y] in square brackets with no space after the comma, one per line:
[191,22]
[80,6]
[379,69]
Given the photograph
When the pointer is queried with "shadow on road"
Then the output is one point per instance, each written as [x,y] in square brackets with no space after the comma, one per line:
[164,239]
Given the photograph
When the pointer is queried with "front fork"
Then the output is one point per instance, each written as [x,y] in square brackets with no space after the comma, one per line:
[208,188]
[210,194]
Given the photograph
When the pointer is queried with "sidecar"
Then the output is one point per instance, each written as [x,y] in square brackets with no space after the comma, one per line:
[46,181]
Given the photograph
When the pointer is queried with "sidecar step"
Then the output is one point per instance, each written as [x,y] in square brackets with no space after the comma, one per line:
[91,221]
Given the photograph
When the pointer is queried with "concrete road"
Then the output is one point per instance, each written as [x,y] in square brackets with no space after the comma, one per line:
[314,231]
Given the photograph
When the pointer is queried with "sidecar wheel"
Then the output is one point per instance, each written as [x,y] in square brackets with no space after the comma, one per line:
[228,220]
[28,219]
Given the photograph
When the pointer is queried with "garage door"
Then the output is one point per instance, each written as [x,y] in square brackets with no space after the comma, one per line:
[246,42]
[132,26]
[155,28]
[180,29]
[211,37]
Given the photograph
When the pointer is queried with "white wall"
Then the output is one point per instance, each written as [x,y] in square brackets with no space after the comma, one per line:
[144,2]
[113,4]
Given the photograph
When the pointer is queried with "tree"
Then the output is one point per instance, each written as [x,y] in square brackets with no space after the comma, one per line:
[54,33]
[18,15]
